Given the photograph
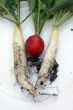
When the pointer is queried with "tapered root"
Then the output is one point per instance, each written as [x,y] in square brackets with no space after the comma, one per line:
[20,61]
[49,59]
[22,80]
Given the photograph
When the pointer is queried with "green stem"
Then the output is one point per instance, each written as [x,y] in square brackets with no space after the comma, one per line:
[58,16]
[38,19]
[63,18]
[8,12]
[19,11]
[42,25]
[32,14]
[8,19]
[25,18]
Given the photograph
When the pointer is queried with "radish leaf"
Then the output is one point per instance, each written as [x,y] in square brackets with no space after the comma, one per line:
[10,8]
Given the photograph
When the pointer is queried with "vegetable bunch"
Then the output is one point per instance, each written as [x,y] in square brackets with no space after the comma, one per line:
[40,11]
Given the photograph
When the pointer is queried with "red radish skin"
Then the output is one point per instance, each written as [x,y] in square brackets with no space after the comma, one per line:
[34,45]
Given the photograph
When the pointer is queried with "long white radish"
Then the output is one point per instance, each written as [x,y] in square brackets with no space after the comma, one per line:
[49,58]
[20,61]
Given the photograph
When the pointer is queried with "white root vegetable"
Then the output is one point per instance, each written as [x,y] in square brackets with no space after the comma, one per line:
[20,61]
[48,60]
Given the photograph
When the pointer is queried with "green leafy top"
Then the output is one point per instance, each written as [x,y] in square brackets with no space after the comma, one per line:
[63,10]
[11,8]
[41,10]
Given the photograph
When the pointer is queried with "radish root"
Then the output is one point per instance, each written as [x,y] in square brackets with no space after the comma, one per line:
[20,61]
[49,59]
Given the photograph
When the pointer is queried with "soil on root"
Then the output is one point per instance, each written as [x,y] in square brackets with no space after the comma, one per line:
[37,61]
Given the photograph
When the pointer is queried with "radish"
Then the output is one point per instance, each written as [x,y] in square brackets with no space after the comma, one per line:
[51,52]
[34,45]
[49,59]
[20,60]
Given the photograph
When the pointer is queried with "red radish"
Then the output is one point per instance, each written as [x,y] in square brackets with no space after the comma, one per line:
[34,45]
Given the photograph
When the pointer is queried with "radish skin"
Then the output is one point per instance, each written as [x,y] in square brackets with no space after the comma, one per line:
[49,58]
[34,45]
[20,61]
